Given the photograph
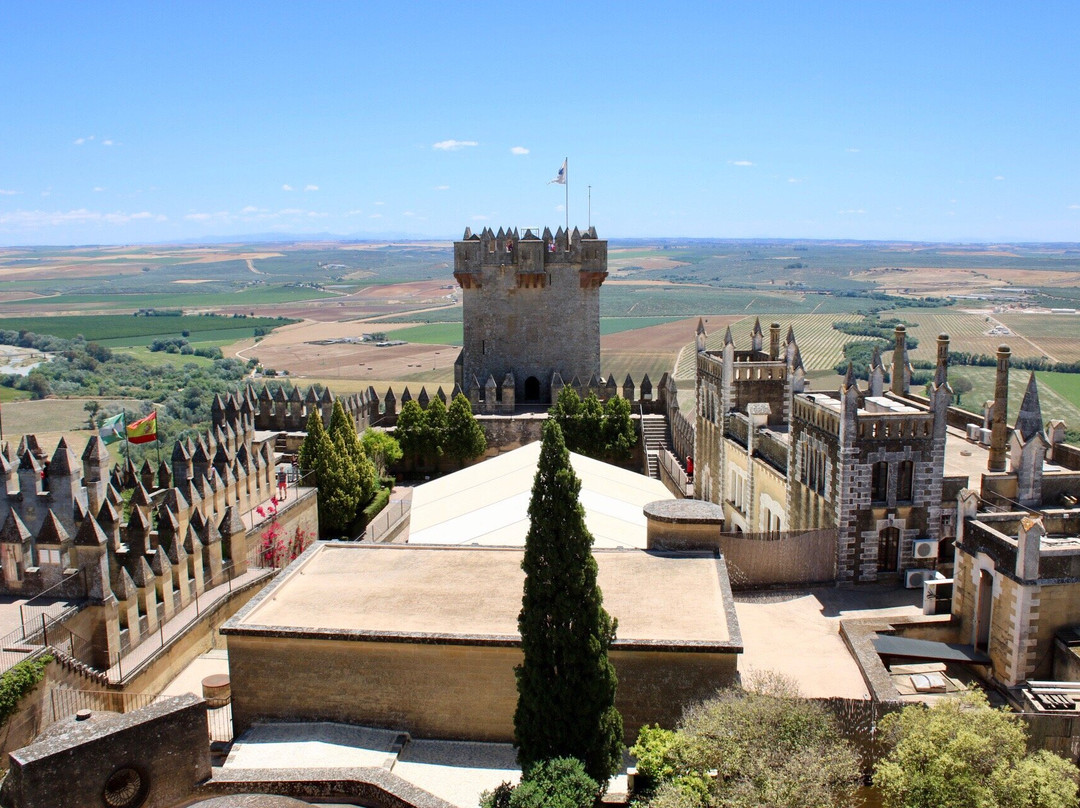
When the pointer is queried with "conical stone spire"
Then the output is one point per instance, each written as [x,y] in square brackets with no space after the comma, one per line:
[1029,421]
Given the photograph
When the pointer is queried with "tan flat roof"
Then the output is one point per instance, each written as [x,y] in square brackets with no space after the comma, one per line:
[401,592]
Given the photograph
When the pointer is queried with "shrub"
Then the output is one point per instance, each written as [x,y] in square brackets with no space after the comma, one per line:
[18,681]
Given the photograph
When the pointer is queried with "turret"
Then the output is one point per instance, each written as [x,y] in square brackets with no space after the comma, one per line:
[1027,448]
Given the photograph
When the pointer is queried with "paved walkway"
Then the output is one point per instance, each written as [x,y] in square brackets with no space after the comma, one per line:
[180,622]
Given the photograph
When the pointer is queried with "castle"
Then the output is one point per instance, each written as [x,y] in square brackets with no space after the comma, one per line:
[531,311]
[780,458]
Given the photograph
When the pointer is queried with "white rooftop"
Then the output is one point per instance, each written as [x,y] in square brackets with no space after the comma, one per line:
[487,504]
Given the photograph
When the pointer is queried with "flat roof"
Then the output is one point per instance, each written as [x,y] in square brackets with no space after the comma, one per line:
[487,504]
[473,596]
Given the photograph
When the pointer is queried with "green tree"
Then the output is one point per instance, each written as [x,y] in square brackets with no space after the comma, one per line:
[759,746]
[382,448]
[310,448]
[92,408]
[590,428]
[566,412]
[566,683]
[960,385]
[962,752]
[343,431]
[558,783]
[435,420]
[411,430]
[619,433]
[464,436]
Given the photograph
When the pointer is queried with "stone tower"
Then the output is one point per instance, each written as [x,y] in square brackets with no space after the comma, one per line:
[531,309]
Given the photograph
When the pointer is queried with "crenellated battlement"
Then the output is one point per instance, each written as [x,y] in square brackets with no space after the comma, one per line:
[531,256]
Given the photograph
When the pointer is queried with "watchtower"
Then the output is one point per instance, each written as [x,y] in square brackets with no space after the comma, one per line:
[531,309]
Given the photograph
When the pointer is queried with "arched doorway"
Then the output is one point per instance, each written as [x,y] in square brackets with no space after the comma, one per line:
[888,554]
[532,389]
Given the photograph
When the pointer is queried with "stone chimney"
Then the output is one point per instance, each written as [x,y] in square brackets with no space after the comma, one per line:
[998,430]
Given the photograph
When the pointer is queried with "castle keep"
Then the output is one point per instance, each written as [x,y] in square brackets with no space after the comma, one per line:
[531,311]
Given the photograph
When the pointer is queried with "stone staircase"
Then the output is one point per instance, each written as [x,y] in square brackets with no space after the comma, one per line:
[654,437]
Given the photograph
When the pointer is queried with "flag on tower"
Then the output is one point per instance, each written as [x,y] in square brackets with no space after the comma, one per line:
[560,178]
[144,430]
[111,429]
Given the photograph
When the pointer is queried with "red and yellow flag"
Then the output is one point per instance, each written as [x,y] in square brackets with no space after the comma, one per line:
[144,430]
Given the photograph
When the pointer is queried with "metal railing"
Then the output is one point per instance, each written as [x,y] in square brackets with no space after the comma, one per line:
[60,595]
[64,702]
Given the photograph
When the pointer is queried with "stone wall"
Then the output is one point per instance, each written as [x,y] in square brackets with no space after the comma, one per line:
[441,691]
[756,560]
[167,745]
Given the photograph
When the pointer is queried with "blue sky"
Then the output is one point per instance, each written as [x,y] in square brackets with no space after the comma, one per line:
[132,122]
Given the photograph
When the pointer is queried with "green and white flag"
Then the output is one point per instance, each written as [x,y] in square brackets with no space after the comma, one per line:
[112,429]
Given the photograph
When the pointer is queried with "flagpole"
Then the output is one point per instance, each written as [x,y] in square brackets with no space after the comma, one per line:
[566,187]
[127,443]
[156,439]
[590,208]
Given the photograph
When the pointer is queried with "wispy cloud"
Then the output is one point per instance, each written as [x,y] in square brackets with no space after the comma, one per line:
[852,151]
[251,209]
[442,187]
[793,179]
[30,219]
[453,145]
[81,140]
[479,218]
[98,189]
[375,216]
[999,178]
[286,187]
[311,187]
[858,211]
[408,213]
[107,143]
[519,150]
[356,212]
[6,192]
[380,203]
[741,163]
[1074,207]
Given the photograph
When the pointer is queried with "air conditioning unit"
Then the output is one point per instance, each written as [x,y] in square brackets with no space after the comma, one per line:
[937,595]
[914,579]
[925,549]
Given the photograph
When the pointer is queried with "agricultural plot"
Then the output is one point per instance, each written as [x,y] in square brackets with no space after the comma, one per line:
[967,332]
[1059,393]
[1056,335]
[251,296]
[117,330]
[821,345]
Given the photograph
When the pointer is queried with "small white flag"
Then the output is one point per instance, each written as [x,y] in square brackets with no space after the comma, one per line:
[560,178]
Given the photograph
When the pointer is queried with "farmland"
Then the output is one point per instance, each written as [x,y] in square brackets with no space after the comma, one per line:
[649,304]
[126,330]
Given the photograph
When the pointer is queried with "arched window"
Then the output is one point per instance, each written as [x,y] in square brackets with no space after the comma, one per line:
[879,482]
[904,484]
[532,389]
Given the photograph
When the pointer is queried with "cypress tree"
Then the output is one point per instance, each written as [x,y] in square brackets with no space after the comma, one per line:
[464,437]
[566,684]
[363,474]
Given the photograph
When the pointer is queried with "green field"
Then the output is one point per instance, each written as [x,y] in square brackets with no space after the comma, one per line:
[252,296]
[159,358]
[119,330]
[433,334]
[11,394]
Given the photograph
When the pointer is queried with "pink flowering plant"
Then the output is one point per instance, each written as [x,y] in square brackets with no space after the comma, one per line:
[276,547]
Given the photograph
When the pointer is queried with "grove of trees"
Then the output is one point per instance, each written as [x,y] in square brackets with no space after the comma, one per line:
[427,435]
[603,431]
[336,462]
